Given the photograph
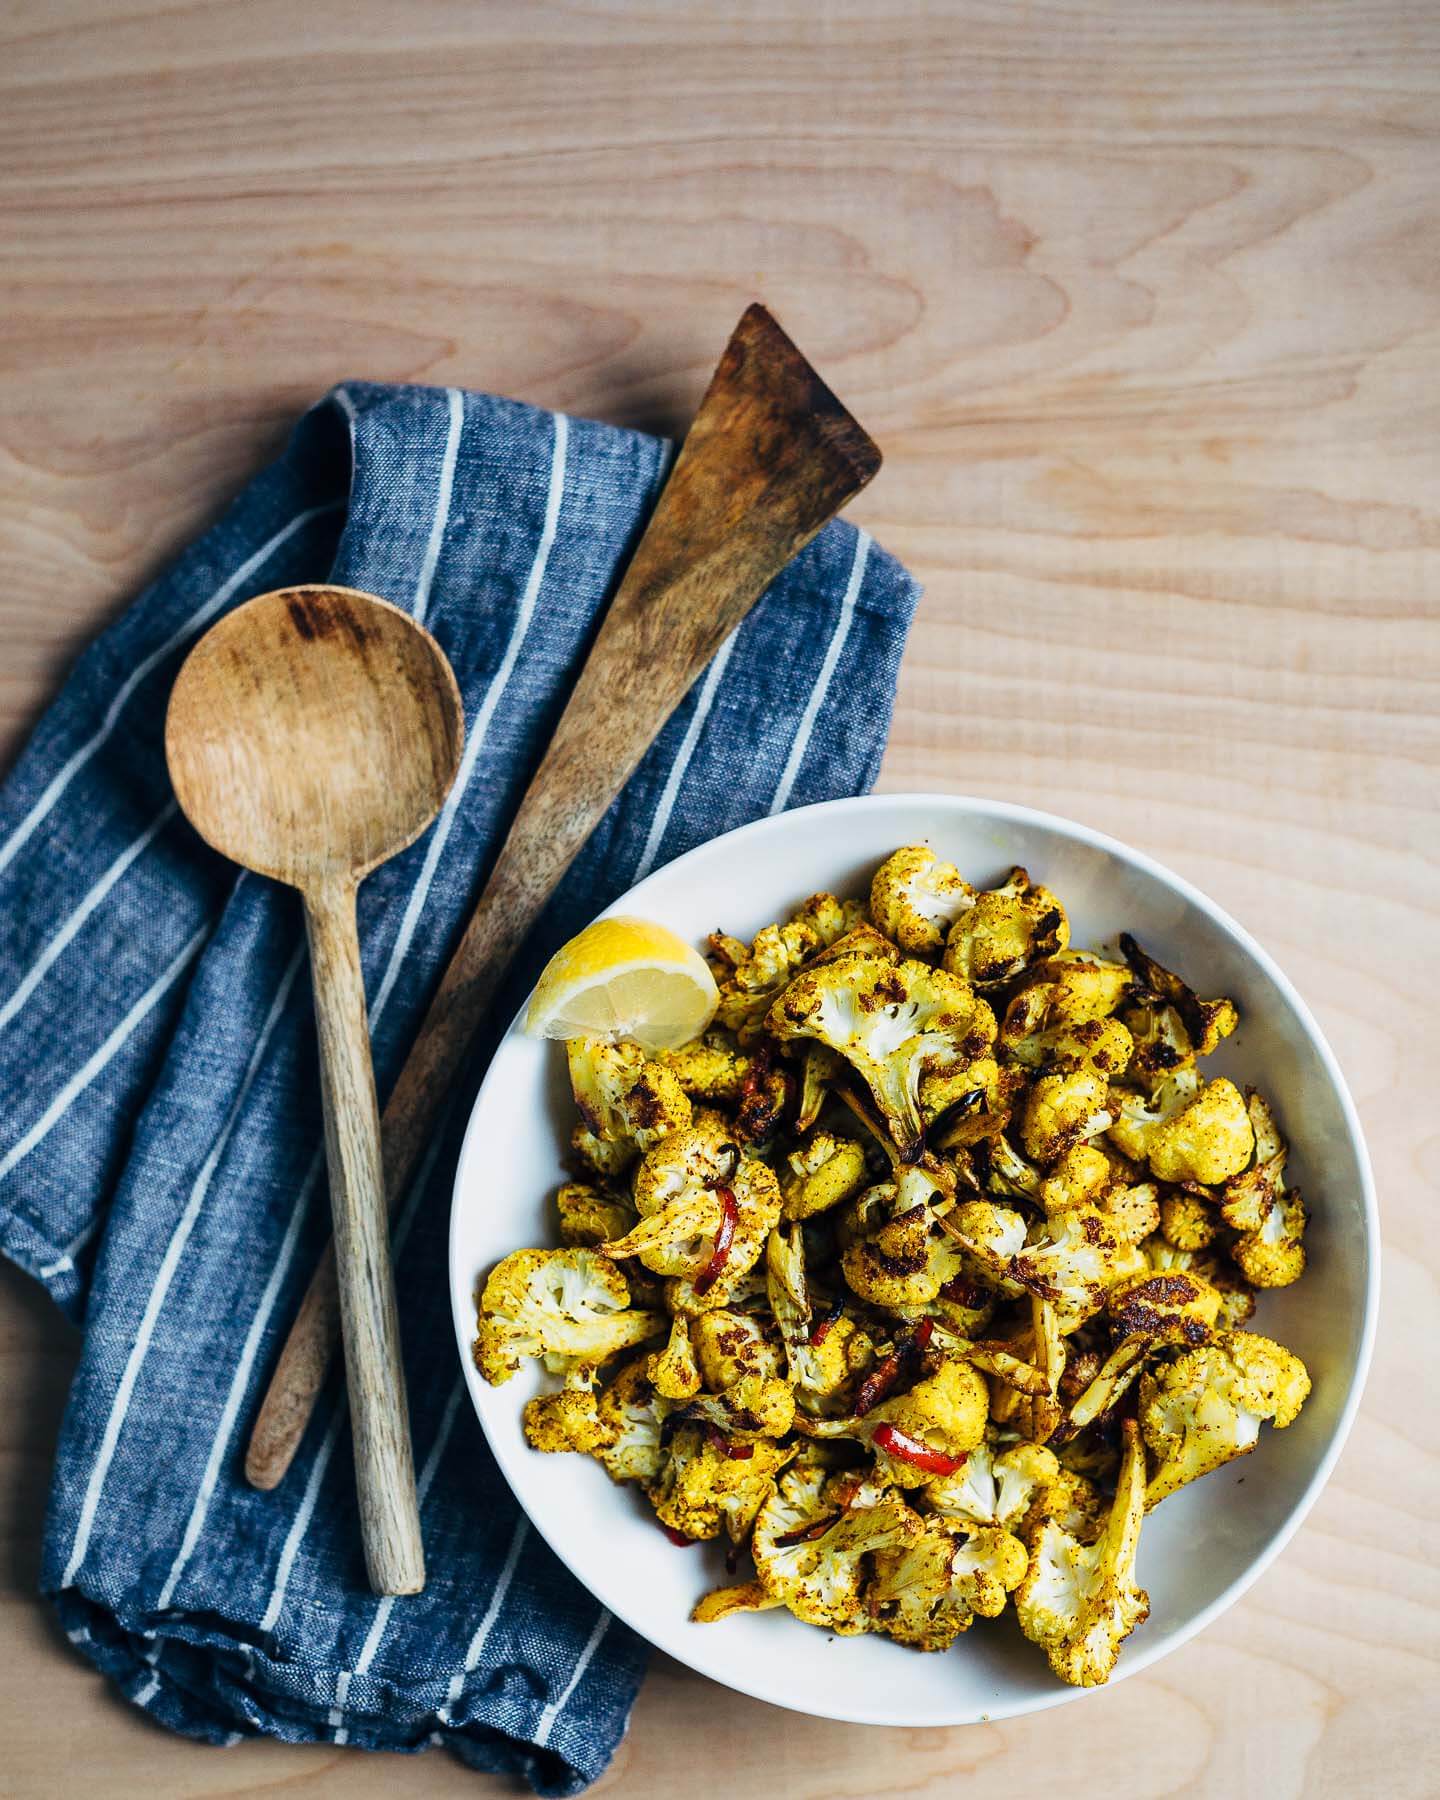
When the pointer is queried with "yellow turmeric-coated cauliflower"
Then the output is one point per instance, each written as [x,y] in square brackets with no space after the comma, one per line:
[1067,994]
[631,1414]
[1133,1211]
[915,898]
[1006,930]
[1170,1024]
[711,1068]
[887,1020]
[811,1548]
[589,1214]
[1080,1601]
[1237,1297]
[730,1344]
[998,1486]
[566,1303]
[940,1420]
[1207,1406]
[1147,1312]
[701,1488]
[1070,1260]
[1208,1142]
[1187,1220]
[1062,1110]
[570,1418]
[823,1171]
[750,977]
[626,1103]
[674,1370]
[755,1406]
[1269,1217]
[903,1260]
[926,1592]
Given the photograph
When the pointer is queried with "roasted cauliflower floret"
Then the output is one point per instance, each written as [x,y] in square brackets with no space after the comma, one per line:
[1146,1311]
[925,1593]
[730,1344]
[1070,1261]
[887,1020]
[1006,930]
[823,1171]
[756,1406]
[1187,1221]
[701,1488]
[673,1370]
[915,898]
[626,1103]
[1063,1110]
[1080,1601]
[751,977]
[1237,1297]
[1208,1142]
[589,1215]
[904,1260]
[569,1419]
[1207,1406]
[711,1068]
[1269,1217]
[811,1548]
[631,1414]
[1133,1211]
[564,1303]
[997,1487]
[1170,1024]
[939,1421]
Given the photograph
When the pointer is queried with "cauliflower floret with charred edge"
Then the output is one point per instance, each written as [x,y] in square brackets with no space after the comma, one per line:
[1147,1311]
[1133,1211]
[1206,1407]
[997,1486]
[626,1103]
[701,1489]
[915,898]
[1080,1601]
[567,1303]
[1063,1110]
[927,1592]
[632,1414]
[730,1344]
[942,1416]
[903,1260]
[1269,1217]
[673,1370]
[888,1020]
[751,976]
[1071,1261]
[1187,1221]
[1170,1023]
[824,1171]
[810,1548]
[1237,1297]
[756,1406]
[1186,1131]
[710,1068]
[1005,931]
[1069,991]
[822,1372]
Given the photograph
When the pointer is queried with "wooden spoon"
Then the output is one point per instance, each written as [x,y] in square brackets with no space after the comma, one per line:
[771,456]
[312,734]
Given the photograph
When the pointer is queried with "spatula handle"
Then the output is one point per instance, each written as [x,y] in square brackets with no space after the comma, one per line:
[380,1420]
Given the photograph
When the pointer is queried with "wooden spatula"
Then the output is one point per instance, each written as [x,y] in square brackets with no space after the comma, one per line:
[772,455]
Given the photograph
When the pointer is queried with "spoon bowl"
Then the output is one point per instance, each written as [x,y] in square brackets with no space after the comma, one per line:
[312,734]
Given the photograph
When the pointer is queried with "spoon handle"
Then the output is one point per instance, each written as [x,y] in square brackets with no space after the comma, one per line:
[771,456]
[379,1417]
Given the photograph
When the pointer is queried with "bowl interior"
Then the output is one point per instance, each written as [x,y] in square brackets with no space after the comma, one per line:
[1204,1545]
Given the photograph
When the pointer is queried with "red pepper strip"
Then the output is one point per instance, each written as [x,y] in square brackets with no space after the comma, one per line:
[719,1441]
[724,1237]
[807,1534]
[964,1293]
[905,1448]
[822,1330]
[878,1383]
[678,1538]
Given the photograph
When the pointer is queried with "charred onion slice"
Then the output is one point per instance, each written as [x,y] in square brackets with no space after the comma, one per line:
[822,1330]
[807,1534]
[724,1238]
[719,1441]
[878,1383]
[905,1448]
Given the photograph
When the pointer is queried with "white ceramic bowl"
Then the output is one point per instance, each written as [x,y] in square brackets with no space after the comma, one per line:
[1203,1547]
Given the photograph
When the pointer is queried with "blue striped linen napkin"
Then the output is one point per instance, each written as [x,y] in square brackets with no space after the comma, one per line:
[161,1157]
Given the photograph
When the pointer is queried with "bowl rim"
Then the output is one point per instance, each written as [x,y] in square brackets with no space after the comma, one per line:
[611,1595]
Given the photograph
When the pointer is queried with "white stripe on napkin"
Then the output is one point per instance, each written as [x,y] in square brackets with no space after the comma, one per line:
[456,403]
[201,616]
[169,1262]
[487,1624]
[68,931]
[671,791]
[827,670]
[553,1711]
[111,1047]
[479,729]
[301,1522]
[381,1620]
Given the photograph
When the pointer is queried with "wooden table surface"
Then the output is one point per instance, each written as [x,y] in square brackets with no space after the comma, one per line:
[1143,303]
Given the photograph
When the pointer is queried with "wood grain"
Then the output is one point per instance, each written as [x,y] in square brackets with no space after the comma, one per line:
[1142,303]
[770,457]
[311,734]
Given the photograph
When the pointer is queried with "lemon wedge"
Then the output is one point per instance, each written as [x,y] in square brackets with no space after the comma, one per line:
[624,978]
